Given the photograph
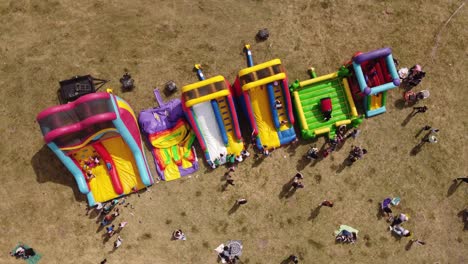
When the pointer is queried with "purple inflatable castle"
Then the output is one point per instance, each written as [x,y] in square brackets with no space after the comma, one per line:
[170,139]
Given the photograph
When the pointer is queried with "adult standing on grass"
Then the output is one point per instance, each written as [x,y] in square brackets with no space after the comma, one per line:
[118,242]
[110,230]
[122,225]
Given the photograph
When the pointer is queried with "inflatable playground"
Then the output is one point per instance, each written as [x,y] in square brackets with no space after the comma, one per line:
[169,138]
[210,110]
[97,138]
[326,103]
[262,91]
[309,97]
[374,74]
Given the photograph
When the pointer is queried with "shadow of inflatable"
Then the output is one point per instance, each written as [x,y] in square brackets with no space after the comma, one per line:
[48,168]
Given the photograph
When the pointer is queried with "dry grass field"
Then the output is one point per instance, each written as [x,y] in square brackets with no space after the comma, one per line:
[45,41]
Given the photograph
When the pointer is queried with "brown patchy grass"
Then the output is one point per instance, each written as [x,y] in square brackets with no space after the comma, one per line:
[42,42]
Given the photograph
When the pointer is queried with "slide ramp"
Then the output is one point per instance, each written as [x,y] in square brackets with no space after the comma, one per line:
[209,130]
[261,109]
[101,185]
[124,163]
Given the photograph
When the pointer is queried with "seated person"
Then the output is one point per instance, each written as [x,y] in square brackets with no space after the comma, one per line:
[179,235]
[399,220]
[89,175]
[400,231]
[226,254]
[19,252]
[245,153]
[386,210]
[278,104]
[96,160]
[22,252]
[222,158]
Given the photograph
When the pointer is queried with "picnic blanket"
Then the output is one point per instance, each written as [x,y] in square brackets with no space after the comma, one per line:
[31,260]
[347,228]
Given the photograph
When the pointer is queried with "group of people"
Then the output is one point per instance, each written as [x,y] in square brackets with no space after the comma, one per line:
[356,153]
[91,162]
[411,77]
[227,257]
[88,165]
[108,212]
[342,134]
[228,158]
[23,252]
[395,221]
[346,237]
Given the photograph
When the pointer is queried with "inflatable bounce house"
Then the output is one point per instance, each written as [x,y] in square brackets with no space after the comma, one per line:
[324,103]
[210,110]
[264,97]
[375,73]
[97,138]
[170,139]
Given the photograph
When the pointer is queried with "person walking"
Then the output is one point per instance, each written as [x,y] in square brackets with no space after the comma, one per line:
[118,242]
[110,230]
[229,179]
[122,225]
[297,184]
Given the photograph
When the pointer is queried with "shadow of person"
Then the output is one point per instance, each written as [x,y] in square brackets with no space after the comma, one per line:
[287,260]
[314,213]
[302,163]
[409,245]
[408,118]
[234,208]
[380,212]
[416,149]
[286,189]
[291,192]
[453,187]
[105,237]
[48,168]
[258,159]
[400,104]
[464,216]
[343,165]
